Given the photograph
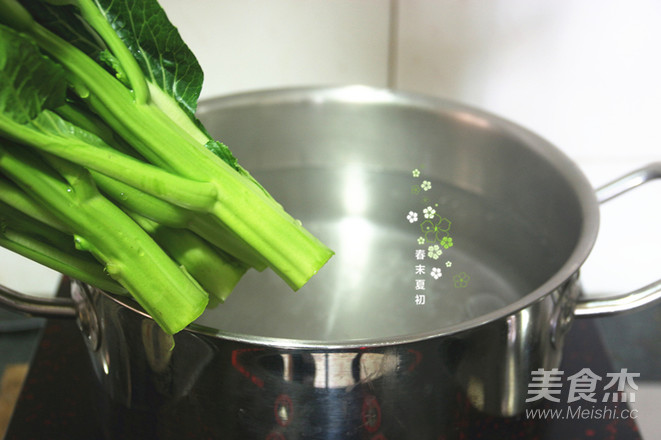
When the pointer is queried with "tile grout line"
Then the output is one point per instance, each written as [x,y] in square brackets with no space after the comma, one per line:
[393,28]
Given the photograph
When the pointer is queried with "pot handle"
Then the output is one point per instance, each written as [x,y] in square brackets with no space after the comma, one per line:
[37,306]
[645,296]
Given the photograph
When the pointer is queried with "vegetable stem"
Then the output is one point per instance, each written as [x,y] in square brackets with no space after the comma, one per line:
[216,272]
[151,179]
[96,19]
[130,256]
[55,258]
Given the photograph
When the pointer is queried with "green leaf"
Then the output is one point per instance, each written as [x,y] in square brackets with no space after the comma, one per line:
[66,22]
[142,28]
[221,150]
[158,48]
[29,81]
[64,19]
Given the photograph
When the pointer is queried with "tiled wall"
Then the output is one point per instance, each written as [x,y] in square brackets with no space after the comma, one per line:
[583,74]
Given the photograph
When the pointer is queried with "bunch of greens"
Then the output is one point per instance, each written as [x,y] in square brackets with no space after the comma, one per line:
[107,176]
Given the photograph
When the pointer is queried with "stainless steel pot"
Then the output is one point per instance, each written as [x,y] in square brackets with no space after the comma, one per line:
[504,221]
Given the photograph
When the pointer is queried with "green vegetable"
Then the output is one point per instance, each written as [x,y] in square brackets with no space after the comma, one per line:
[24,235]
[99,143]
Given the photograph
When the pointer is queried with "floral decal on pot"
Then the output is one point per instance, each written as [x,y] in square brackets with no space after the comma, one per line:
[461,279]
[433,244]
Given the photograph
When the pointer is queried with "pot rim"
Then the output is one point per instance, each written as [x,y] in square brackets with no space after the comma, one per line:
[367,94]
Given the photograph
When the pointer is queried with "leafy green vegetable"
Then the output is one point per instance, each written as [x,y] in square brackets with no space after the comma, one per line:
[99,137]
[30,81]
[164,59]
[49,246]
[109,234]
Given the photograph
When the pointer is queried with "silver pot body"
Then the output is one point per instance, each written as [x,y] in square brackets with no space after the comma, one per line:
[215,387]
[352,355]
[359,353]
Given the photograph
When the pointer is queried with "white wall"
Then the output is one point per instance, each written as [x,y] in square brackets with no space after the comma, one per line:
[583,74]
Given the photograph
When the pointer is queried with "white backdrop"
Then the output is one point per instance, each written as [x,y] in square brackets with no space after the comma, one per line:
[584,74]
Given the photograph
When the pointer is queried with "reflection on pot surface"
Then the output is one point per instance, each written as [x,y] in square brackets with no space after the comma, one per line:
[414,390]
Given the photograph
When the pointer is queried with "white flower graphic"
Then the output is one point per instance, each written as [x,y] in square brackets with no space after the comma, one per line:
[412,217]
[416,173]
[448,264]
[436,273]
[421,240]
[434,252]
[425,185]
[429,212]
